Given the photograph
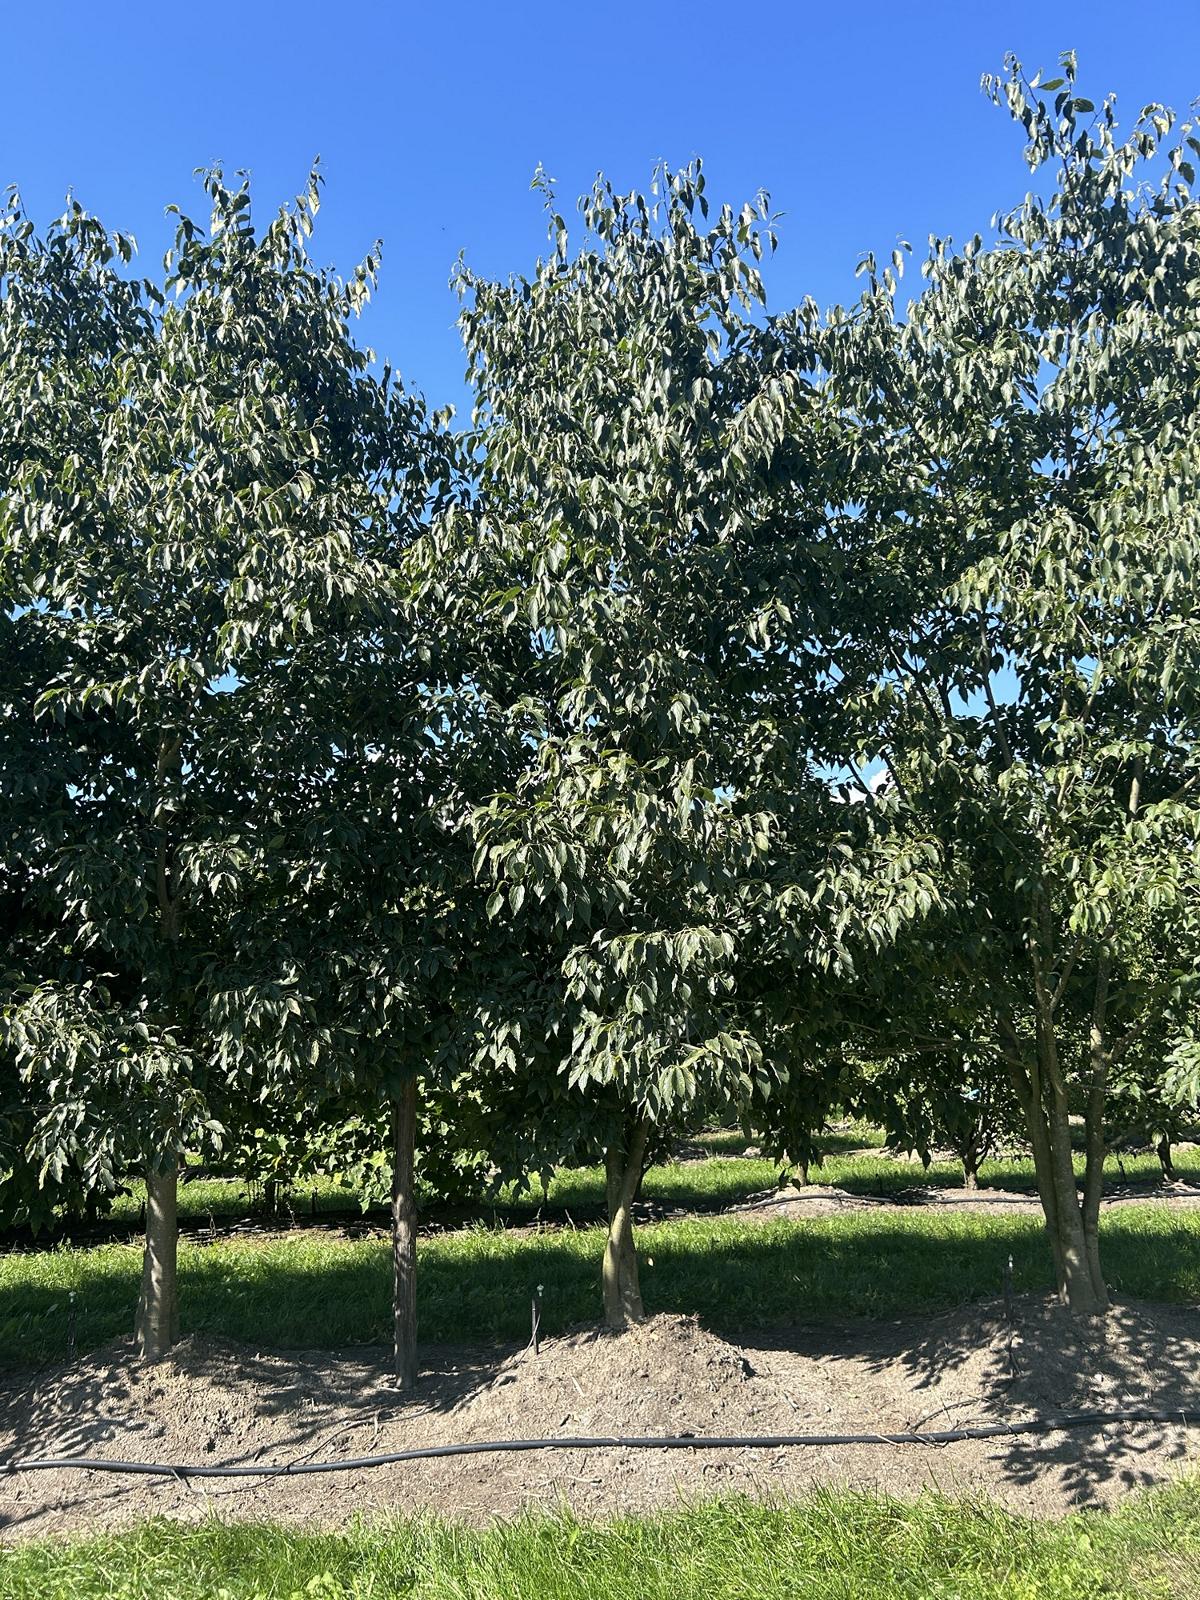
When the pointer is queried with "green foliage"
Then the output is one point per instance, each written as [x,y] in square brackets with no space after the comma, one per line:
[208,496]
[1012,500]
[632,410]
[335,750]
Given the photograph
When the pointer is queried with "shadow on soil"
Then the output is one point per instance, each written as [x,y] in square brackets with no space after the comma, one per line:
[997,1364]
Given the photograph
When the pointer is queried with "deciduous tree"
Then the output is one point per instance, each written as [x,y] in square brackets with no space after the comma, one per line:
[1019,538]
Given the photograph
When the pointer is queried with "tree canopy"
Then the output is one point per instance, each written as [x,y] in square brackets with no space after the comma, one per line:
[746,711]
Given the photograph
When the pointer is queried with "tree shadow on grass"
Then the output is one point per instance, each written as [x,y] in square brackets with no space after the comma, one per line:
[911,1299]
[477,1286]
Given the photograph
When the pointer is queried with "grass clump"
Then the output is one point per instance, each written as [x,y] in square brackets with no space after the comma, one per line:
[836,1544]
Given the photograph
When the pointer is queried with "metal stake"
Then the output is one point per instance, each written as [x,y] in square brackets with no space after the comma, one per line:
[537,1319]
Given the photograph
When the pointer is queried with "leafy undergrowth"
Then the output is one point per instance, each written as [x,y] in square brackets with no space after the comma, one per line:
[833,1544]
[321,1290]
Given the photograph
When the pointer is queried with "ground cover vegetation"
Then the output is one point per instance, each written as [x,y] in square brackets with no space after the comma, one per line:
[322,1290]
[835,1544]
[747,714]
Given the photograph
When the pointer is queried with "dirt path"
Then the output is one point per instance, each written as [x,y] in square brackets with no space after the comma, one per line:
[218,1402]
[818,1200]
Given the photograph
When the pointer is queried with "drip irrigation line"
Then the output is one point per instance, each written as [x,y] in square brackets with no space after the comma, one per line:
[684,1441]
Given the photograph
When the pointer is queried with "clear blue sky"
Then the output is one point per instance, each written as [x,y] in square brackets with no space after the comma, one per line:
[864,120]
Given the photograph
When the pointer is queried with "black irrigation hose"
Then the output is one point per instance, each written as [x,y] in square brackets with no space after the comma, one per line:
[687,1441]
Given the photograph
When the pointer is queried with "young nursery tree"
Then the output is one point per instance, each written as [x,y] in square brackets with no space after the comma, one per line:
[206,496]
[943,1099]
[1018,526]
[383,920]
[630,404]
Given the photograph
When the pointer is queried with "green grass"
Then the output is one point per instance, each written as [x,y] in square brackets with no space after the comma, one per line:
[323,1291]
[866,1174]
[836,1545]
[727,1177]
[224,1198]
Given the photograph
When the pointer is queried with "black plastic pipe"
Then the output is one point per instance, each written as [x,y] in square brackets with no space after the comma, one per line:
[683,1441]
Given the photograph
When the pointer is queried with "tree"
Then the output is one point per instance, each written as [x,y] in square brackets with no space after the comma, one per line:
[1017,528]
[205,494]
[387,913]
[944,1099]
[630,406]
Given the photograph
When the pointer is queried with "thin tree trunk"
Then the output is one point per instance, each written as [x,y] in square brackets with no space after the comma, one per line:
[156,1327]
[1079,1268]
[156,1323]
[1026,1084]
[1093,1183]
[1163,1150]
[623,1168]
[1078,1288]
[404,1236]
[970,1151]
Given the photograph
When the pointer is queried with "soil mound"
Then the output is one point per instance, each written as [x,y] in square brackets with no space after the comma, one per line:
[214,1401]
[666,1376]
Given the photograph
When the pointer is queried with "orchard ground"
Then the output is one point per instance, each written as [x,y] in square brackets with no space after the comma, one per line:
[873,1300]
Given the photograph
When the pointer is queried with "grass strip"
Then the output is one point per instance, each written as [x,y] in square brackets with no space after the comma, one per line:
[321,1291]
[718,1180]
[836,1544]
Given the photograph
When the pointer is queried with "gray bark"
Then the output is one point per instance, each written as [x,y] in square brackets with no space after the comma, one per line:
[156,1326]
[623,1170]
[404,1236]
[1076,1267]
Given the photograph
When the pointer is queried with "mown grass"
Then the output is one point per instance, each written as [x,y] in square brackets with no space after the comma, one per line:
[319,1290]
[836,1545]
[726,1177]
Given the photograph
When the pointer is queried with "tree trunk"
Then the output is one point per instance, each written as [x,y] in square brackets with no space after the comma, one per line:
[1080,1283]
[623,1169]
[404,1236]
[1163,1150]
[1093,1181]
[969,1147]
[1076,1268]
[157,1324]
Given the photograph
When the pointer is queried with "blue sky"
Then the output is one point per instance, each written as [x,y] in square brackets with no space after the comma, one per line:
[864,121]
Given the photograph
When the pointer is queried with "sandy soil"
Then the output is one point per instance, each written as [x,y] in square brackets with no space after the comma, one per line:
[214,1401]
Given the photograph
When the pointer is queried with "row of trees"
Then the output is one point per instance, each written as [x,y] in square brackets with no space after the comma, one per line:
[738,697]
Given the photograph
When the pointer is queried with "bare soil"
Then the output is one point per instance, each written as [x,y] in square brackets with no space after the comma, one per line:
[214,1401]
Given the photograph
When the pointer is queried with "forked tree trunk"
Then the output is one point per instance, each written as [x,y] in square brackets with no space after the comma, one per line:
[404,1236]
[156,1327]
[623,1171]
[970,1147]
[1072,1225]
